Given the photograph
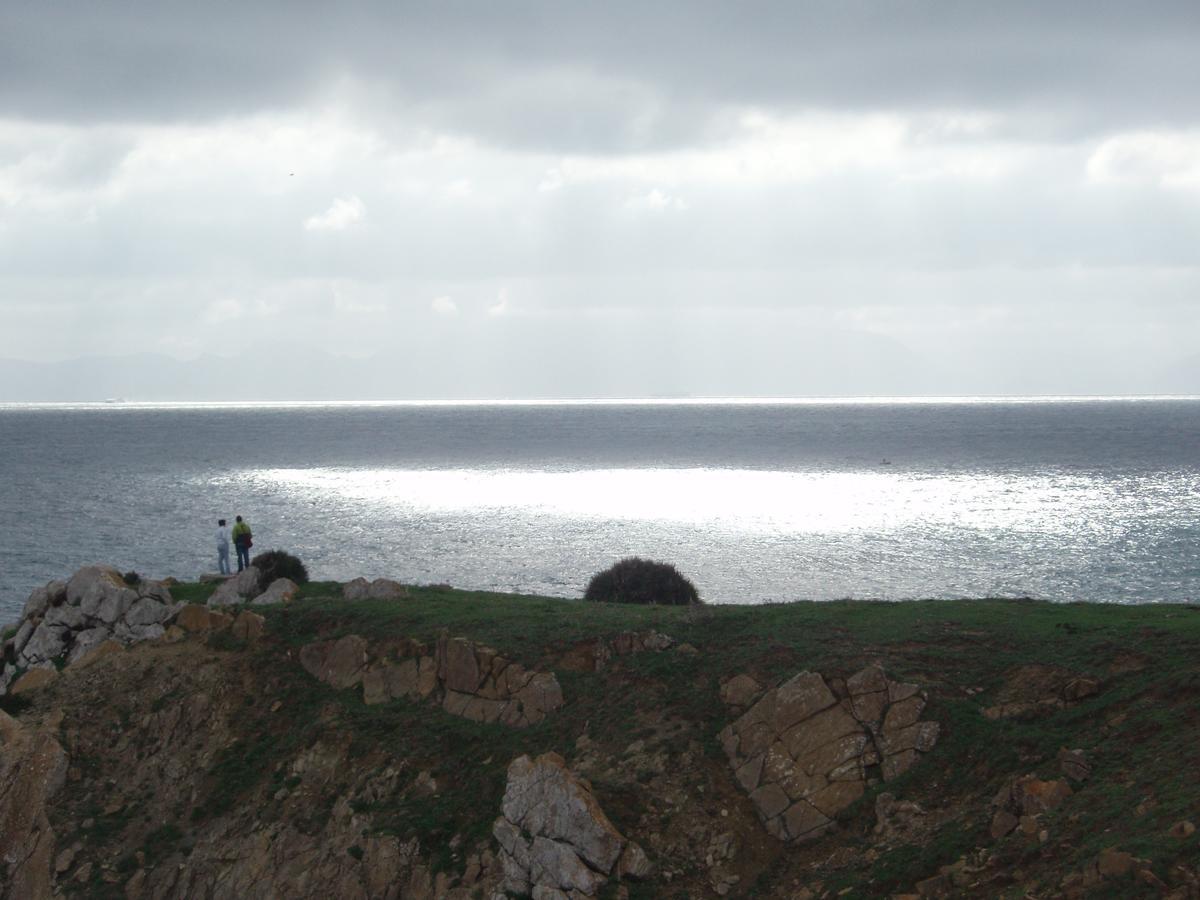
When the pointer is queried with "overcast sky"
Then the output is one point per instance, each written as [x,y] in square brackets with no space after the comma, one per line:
[562,199]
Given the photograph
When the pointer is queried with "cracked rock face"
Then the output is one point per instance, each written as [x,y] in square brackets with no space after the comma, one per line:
[467,679]
[33,768]
[555,840]
[803,752]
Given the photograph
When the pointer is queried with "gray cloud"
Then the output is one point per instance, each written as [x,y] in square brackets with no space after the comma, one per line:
[538,199]
[598,76]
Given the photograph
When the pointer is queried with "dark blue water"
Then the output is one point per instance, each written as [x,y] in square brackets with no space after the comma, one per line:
[1072,500]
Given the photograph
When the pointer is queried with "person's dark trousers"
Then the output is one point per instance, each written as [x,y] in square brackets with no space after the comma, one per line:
[243,557]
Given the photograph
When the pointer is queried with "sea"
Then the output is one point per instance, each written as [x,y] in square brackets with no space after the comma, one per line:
[1062,499]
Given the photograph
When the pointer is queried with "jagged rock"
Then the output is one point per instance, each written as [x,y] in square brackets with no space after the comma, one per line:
[248,626]
[554,837]
[157,590]
[802,754]
[386,589]
[1074,764]
[1034,689]
[457,665]
[193,617]
[1003,822]
[46,643]
[379,589]
[356,589]
[541,695]
[1079,688]
[86,641]
[339,663]
[740,690]
[21,638]
[148,611]
[132,634]
[245,585]
[1021,801]
[64,616]
[476,683]
[33,680]
[98,652]
[281,590]
[33,768]
[594,654]
[1182,830]
[1033,796]
[898,821]
[52,594]
[100,593]
[1114,863]
[634,863]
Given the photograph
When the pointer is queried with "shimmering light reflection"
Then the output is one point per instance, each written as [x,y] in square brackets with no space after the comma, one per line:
[732,499]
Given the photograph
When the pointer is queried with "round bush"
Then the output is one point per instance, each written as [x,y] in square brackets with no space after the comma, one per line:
[635,580]
[277,564]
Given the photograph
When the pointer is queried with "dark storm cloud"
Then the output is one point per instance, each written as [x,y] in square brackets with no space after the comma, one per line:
[603,77]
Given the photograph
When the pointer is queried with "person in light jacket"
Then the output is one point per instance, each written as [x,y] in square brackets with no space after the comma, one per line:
[222,547]
[242,542]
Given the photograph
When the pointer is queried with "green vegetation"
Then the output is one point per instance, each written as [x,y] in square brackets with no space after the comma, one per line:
[193,592]
[439,778]
[1143,718]
[641,581]
[278,564]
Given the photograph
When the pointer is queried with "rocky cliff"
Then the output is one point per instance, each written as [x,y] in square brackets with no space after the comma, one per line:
[376,740]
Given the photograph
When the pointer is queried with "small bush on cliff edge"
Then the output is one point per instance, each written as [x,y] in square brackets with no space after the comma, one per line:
[277,564]
[636,580]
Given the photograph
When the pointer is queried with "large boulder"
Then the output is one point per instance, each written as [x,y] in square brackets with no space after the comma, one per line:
[243,586]
[248,626]
[100,593]
[339,663]
[86,641]
[53,594]
[379,589]
[803,752]
[554,838]
[281,590]
[149,611]
[46,643]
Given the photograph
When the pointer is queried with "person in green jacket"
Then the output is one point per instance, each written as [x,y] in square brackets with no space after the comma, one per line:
[241,540]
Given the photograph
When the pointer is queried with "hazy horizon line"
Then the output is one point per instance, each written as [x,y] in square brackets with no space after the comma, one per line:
[823,400]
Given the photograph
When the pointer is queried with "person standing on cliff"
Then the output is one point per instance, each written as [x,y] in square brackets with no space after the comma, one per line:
[241,541]
[222,547]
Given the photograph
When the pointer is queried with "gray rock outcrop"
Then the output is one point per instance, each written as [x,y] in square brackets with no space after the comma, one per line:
[803,752]
[69,619]
[245,585]
[555,841]
[281,590]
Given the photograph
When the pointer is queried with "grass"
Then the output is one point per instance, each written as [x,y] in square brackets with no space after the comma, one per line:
[1140,731]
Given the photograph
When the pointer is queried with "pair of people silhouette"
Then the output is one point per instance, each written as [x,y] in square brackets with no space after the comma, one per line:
[241,541]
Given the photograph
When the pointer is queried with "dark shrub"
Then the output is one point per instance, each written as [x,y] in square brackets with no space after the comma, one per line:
[132,578]
[636,580]
[277,564]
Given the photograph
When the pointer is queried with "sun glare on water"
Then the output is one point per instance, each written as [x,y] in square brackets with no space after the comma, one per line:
[737,499]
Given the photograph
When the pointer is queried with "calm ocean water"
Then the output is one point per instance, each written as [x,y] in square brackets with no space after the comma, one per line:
[1064,500]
